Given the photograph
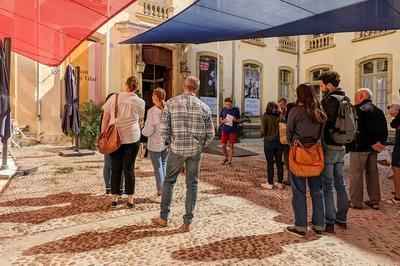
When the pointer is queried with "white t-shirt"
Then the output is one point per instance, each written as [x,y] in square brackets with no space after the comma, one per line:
[130,110]
[152,130]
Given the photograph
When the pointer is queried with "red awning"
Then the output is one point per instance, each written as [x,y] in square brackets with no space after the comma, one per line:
[47,31]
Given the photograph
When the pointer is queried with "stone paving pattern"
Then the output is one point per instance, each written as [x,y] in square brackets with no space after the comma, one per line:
[60,216]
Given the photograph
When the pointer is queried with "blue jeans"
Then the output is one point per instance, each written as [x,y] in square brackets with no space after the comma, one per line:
[107,173]
[333,179]
[174,165]
[299,202]
[273,151]
[159,159]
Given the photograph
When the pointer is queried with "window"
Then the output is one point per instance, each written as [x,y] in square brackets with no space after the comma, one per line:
[374,75]
[313,77]
[208,81]
[285,84]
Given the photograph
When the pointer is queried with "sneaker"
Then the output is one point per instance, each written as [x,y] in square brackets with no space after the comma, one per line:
[330,228]
[286,182]
[393,201]
[160,222]
[317,232]
[185,228]
[267,186]
[292,230]
[114,204]
[130,205]
[278,185]
[342,225]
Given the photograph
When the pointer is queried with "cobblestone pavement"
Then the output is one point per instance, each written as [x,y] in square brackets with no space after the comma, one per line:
[60,216]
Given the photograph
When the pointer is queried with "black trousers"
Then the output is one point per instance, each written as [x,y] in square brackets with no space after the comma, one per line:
[273,150]
[124,159]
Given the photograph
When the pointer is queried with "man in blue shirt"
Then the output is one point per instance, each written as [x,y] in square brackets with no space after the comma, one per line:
[229,118]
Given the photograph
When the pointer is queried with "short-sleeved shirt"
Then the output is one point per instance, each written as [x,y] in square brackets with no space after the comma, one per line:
[130,110]
[233,112]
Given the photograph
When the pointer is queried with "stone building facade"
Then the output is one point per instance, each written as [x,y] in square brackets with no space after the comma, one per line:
[252,72]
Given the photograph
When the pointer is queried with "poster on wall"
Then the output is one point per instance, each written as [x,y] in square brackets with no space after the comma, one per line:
[208,81]
[252,90]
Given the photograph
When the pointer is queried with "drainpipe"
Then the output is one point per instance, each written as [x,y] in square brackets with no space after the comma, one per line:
[298,62]
[38,113]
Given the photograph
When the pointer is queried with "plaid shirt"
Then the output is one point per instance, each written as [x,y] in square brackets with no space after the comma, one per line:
[186,125]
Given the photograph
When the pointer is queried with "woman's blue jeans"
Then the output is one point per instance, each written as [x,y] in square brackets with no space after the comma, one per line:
[299,201]
[159,161]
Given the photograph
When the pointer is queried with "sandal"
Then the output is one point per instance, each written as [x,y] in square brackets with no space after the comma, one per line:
[225,161]
[372,205]
[393,201]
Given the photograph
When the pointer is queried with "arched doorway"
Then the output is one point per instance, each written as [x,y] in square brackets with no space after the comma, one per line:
[158,72]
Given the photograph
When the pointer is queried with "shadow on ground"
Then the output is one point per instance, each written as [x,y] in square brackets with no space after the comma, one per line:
[76,204]
[241,248]
[374,231]
[95,240]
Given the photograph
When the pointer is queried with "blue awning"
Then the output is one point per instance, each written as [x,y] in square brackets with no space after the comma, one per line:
[221,20]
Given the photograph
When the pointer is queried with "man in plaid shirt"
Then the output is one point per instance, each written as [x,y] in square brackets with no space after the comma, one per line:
[187,128]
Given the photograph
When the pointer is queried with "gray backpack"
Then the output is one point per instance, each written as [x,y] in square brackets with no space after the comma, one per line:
[346,121]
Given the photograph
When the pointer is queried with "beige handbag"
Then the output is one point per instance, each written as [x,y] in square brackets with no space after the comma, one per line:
[282,133]
[109,141]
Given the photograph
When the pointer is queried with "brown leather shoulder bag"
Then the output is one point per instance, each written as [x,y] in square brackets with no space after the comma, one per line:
[109,141]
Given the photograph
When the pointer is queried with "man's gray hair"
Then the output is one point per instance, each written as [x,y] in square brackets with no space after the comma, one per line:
[193,83]
[365,91]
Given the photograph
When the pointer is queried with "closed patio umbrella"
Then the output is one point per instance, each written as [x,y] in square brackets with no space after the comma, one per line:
[71,108]
[5,116]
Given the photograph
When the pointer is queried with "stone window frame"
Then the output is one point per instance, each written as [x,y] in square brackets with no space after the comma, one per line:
[363,60]
[310,70]
[291,93]
[261,66]
[220,77]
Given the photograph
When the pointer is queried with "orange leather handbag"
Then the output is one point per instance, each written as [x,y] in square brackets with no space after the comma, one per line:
[306,160]
[109,141]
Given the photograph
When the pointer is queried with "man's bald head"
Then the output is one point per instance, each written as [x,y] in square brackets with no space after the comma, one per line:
[192,84]
[362,95]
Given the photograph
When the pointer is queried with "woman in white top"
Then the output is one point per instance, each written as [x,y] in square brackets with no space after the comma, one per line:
[155,143]
[129,116]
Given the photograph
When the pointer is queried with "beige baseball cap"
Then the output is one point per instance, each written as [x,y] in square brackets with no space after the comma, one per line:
[394,106]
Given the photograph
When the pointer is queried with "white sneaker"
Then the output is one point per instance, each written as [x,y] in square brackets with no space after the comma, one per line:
[267,186]
[278,185]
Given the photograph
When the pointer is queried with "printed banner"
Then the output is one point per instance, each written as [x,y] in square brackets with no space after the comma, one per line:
[208,81]
[211,102]
[252,90]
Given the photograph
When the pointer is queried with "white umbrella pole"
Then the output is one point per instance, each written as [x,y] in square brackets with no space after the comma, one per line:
[218,77]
